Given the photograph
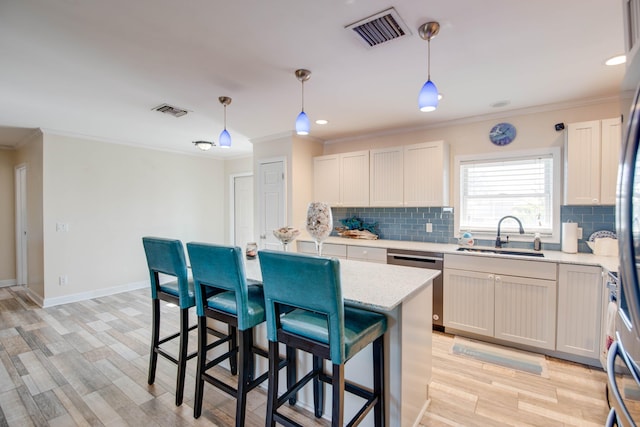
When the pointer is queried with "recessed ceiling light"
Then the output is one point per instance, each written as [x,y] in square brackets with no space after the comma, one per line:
[616,60]
[322,122]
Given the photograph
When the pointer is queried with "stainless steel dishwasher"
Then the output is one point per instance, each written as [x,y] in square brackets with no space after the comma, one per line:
[422,259]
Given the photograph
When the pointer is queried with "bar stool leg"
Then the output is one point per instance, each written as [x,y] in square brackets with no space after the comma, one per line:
[202,360]
[292,373]
[233,344]
[272,393]
[378,380]
[155,338]
[337,411]
[318,387]
[182,357]
[245,374]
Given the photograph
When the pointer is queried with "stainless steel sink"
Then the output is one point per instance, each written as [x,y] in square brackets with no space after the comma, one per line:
[501,251]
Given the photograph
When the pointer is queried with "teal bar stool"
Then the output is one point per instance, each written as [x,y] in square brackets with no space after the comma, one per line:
[166,256]
[320,324]
[222,293]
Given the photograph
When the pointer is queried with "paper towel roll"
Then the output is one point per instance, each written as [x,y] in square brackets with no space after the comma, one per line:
[570,237]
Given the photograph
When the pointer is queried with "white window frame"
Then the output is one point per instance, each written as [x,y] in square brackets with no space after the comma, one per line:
[557,188]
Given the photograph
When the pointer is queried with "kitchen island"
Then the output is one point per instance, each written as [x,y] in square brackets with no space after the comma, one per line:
[404,295]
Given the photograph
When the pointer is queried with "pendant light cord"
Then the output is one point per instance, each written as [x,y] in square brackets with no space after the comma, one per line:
[429,59]
[302,95]
[225,117]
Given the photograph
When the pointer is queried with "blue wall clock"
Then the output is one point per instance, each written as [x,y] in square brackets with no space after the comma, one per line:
[502,133]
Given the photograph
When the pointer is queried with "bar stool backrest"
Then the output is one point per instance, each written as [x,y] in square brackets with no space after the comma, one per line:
[306,282]
[221,267]
[166,256]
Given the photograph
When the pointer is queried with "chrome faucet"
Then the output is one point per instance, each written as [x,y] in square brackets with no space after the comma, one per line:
[499,241]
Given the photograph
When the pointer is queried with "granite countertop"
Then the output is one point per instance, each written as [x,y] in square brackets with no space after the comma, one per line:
[609,263]
[379,287]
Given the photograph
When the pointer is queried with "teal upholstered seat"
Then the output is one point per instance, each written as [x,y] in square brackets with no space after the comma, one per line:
[166,256]
[321,325]
[222,293]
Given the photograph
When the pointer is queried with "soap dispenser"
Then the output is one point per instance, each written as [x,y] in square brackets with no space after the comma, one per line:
[537,243]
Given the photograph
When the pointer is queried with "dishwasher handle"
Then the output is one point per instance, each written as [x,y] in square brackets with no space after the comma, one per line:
[413,257]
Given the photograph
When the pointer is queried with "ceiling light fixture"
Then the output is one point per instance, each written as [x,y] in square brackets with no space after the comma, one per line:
[225,138]
[428,97]
[204,145]
[616,60]
[302,122]
[322,122]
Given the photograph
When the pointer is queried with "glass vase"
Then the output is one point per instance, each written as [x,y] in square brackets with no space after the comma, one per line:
[319,223]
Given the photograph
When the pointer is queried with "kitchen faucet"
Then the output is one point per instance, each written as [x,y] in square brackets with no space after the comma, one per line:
[499,241]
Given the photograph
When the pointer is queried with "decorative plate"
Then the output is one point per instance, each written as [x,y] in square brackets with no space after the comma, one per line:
[601,234]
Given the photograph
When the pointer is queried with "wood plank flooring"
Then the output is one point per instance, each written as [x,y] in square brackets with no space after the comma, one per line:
[86,364]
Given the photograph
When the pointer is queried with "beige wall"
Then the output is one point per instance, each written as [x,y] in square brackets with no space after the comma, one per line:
[534,130]
[111,196]
[7,218]
[29,154]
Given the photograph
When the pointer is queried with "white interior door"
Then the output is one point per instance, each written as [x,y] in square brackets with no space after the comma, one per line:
[21,224]
[242,210]
[272,202]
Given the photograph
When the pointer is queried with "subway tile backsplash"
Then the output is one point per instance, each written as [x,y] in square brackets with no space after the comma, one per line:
[409,223]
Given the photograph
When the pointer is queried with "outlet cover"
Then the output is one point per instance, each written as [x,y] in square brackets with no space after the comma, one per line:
[429,227]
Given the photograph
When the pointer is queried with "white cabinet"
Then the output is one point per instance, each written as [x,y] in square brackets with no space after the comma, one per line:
[366,253]
[386,177]
[413,175]
[328,249]
[513,300]
[591,162]
[525,311]
[342,179]
[579,310]
[354,252]
[468,300]
[426,174]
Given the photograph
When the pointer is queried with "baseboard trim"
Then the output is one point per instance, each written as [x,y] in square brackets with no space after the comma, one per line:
[6,283]
[82,296]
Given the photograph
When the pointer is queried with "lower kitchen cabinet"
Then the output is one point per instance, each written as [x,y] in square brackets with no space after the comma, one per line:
[524,311]
[579,310]
[468,300]
[512,300]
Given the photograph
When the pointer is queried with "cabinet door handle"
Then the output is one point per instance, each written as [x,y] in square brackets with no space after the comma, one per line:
[490,277]
[498,278]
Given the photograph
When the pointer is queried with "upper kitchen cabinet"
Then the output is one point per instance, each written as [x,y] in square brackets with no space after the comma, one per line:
[342,179]
[387,177]
[426,174]
[591,162]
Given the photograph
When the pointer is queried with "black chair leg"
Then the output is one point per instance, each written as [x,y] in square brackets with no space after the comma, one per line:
[292,373]
[378,380]
[272,392]
[318,388]
[155,338]
[245,374]
[182,356]
[337,411]
[202,360]
[233,344]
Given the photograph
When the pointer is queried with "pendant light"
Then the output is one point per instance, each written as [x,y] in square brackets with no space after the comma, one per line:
[428,97]
[225,138]
[302,122]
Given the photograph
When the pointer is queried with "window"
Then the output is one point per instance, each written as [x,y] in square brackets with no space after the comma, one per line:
[525,185]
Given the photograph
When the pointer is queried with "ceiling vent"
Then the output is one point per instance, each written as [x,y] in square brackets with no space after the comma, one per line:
[169,109]
[380,28]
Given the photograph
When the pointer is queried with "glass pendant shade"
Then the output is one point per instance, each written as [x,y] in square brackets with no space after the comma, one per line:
[428,97]
[225,139]
[302,124]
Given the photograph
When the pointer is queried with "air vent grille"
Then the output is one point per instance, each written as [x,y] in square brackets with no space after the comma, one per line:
[380,28]
[169,109]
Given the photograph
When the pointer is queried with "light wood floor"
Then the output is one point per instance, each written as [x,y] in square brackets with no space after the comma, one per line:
[86,364]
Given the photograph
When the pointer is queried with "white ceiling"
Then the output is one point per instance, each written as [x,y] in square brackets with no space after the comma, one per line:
[96,68]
